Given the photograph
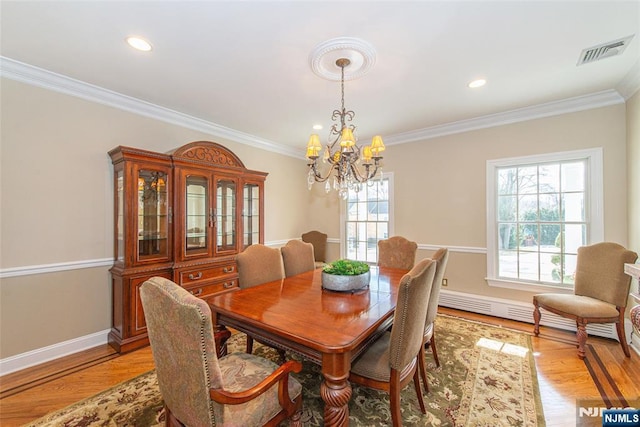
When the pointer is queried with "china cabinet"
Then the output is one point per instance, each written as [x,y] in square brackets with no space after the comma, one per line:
[183,215]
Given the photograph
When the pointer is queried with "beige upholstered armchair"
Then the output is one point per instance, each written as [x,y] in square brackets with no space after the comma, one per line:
[600,295]
[440,257]
[297,257]
[319,242]
[397,252]
[199,389]
[391,362]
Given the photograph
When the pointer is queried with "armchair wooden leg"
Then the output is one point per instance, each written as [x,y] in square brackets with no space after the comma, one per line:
[581,334]
[536,319]
[621,334]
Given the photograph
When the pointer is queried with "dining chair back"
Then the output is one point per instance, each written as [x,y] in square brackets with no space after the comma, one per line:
[319,241]
[601,290]
[259,264]
[390,362]
[397,252]
[297,257]
[197,387]
[440,257]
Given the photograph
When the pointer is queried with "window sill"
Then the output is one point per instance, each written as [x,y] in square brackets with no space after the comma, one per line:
[527,286]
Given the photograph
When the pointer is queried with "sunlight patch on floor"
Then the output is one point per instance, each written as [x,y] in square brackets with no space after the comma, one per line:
[503,347]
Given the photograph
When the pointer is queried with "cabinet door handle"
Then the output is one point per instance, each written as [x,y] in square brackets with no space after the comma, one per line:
[197,292]
[228,269]
[195,277]
[228,285]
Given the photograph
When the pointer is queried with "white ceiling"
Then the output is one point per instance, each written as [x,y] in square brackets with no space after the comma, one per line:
[244,65]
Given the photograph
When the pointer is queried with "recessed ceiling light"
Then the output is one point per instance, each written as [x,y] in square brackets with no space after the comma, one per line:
[317,127]
[477,83]
[139,43]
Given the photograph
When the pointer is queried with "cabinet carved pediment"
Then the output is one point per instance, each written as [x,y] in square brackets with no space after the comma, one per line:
[209,153]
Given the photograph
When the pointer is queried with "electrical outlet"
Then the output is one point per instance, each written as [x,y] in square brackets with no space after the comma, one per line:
[445,282]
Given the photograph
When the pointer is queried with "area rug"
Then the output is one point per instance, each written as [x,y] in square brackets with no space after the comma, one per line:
[487,377]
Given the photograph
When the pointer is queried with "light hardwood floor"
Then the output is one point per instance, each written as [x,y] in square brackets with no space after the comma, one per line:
[605,376]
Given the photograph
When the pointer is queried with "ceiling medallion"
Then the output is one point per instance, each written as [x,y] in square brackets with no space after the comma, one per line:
[361,56]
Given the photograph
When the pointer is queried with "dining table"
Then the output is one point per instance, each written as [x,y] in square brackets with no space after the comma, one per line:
[326,327]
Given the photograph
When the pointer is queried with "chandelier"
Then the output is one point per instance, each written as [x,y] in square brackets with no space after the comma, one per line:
[349,165]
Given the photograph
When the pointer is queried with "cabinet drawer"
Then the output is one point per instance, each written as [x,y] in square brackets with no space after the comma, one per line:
[206,290]
[195,275]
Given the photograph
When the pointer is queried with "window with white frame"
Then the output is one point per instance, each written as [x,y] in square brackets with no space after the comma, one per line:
[540,209]
[366,218]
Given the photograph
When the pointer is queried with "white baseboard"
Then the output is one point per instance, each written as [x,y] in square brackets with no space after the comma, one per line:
[52,352]
[521,311]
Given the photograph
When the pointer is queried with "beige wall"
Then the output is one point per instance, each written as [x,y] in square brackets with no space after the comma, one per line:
[440,196]
[56,198]
[57,207]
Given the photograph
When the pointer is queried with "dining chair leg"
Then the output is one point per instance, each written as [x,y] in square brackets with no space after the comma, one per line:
[249,344]
[432,343]
[416,382]
[423,368]
[394,397]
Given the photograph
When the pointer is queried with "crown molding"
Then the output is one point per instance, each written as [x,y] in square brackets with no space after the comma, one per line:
[35,76]
[630,84]
[556,108]
[40,77]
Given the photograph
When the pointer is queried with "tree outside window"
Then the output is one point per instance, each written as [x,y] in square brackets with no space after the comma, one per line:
[541,211]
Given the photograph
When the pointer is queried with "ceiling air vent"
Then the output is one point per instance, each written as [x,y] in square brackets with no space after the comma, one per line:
[604,50]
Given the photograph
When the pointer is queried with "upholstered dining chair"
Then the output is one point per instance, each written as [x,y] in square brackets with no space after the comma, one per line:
[390,363]
[319,241]
[397,252]
[200,389]
[440,257]
[600,292]
[297,257]
[259,264]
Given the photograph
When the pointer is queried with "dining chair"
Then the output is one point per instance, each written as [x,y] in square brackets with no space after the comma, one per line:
[440,257]
[391,361]
[297,257]
[197,387]
[259,264]
[600,294]
[319,241]
[397,252]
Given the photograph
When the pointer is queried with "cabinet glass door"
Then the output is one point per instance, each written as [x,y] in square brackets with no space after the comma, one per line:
[250,214]
[197,214]
[153,218]
[226,215]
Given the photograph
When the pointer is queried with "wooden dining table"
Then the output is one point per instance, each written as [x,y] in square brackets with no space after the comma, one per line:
[329,328]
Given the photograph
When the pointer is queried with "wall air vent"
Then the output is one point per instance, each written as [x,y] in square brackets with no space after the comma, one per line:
[605,50]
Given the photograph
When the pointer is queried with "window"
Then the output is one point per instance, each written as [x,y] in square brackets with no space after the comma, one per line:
[540,209]
[366,218]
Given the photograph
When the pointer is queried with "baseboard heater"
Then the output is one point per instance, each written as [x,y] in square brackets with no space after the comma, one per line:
[523,312]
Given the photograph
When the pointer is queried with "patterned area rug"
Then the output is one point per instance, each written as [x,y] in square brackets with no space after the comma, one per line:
[487,377]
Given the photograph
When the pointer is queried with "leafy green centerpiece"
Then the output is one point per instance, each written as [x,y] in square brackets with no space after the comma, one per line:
[345,275]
